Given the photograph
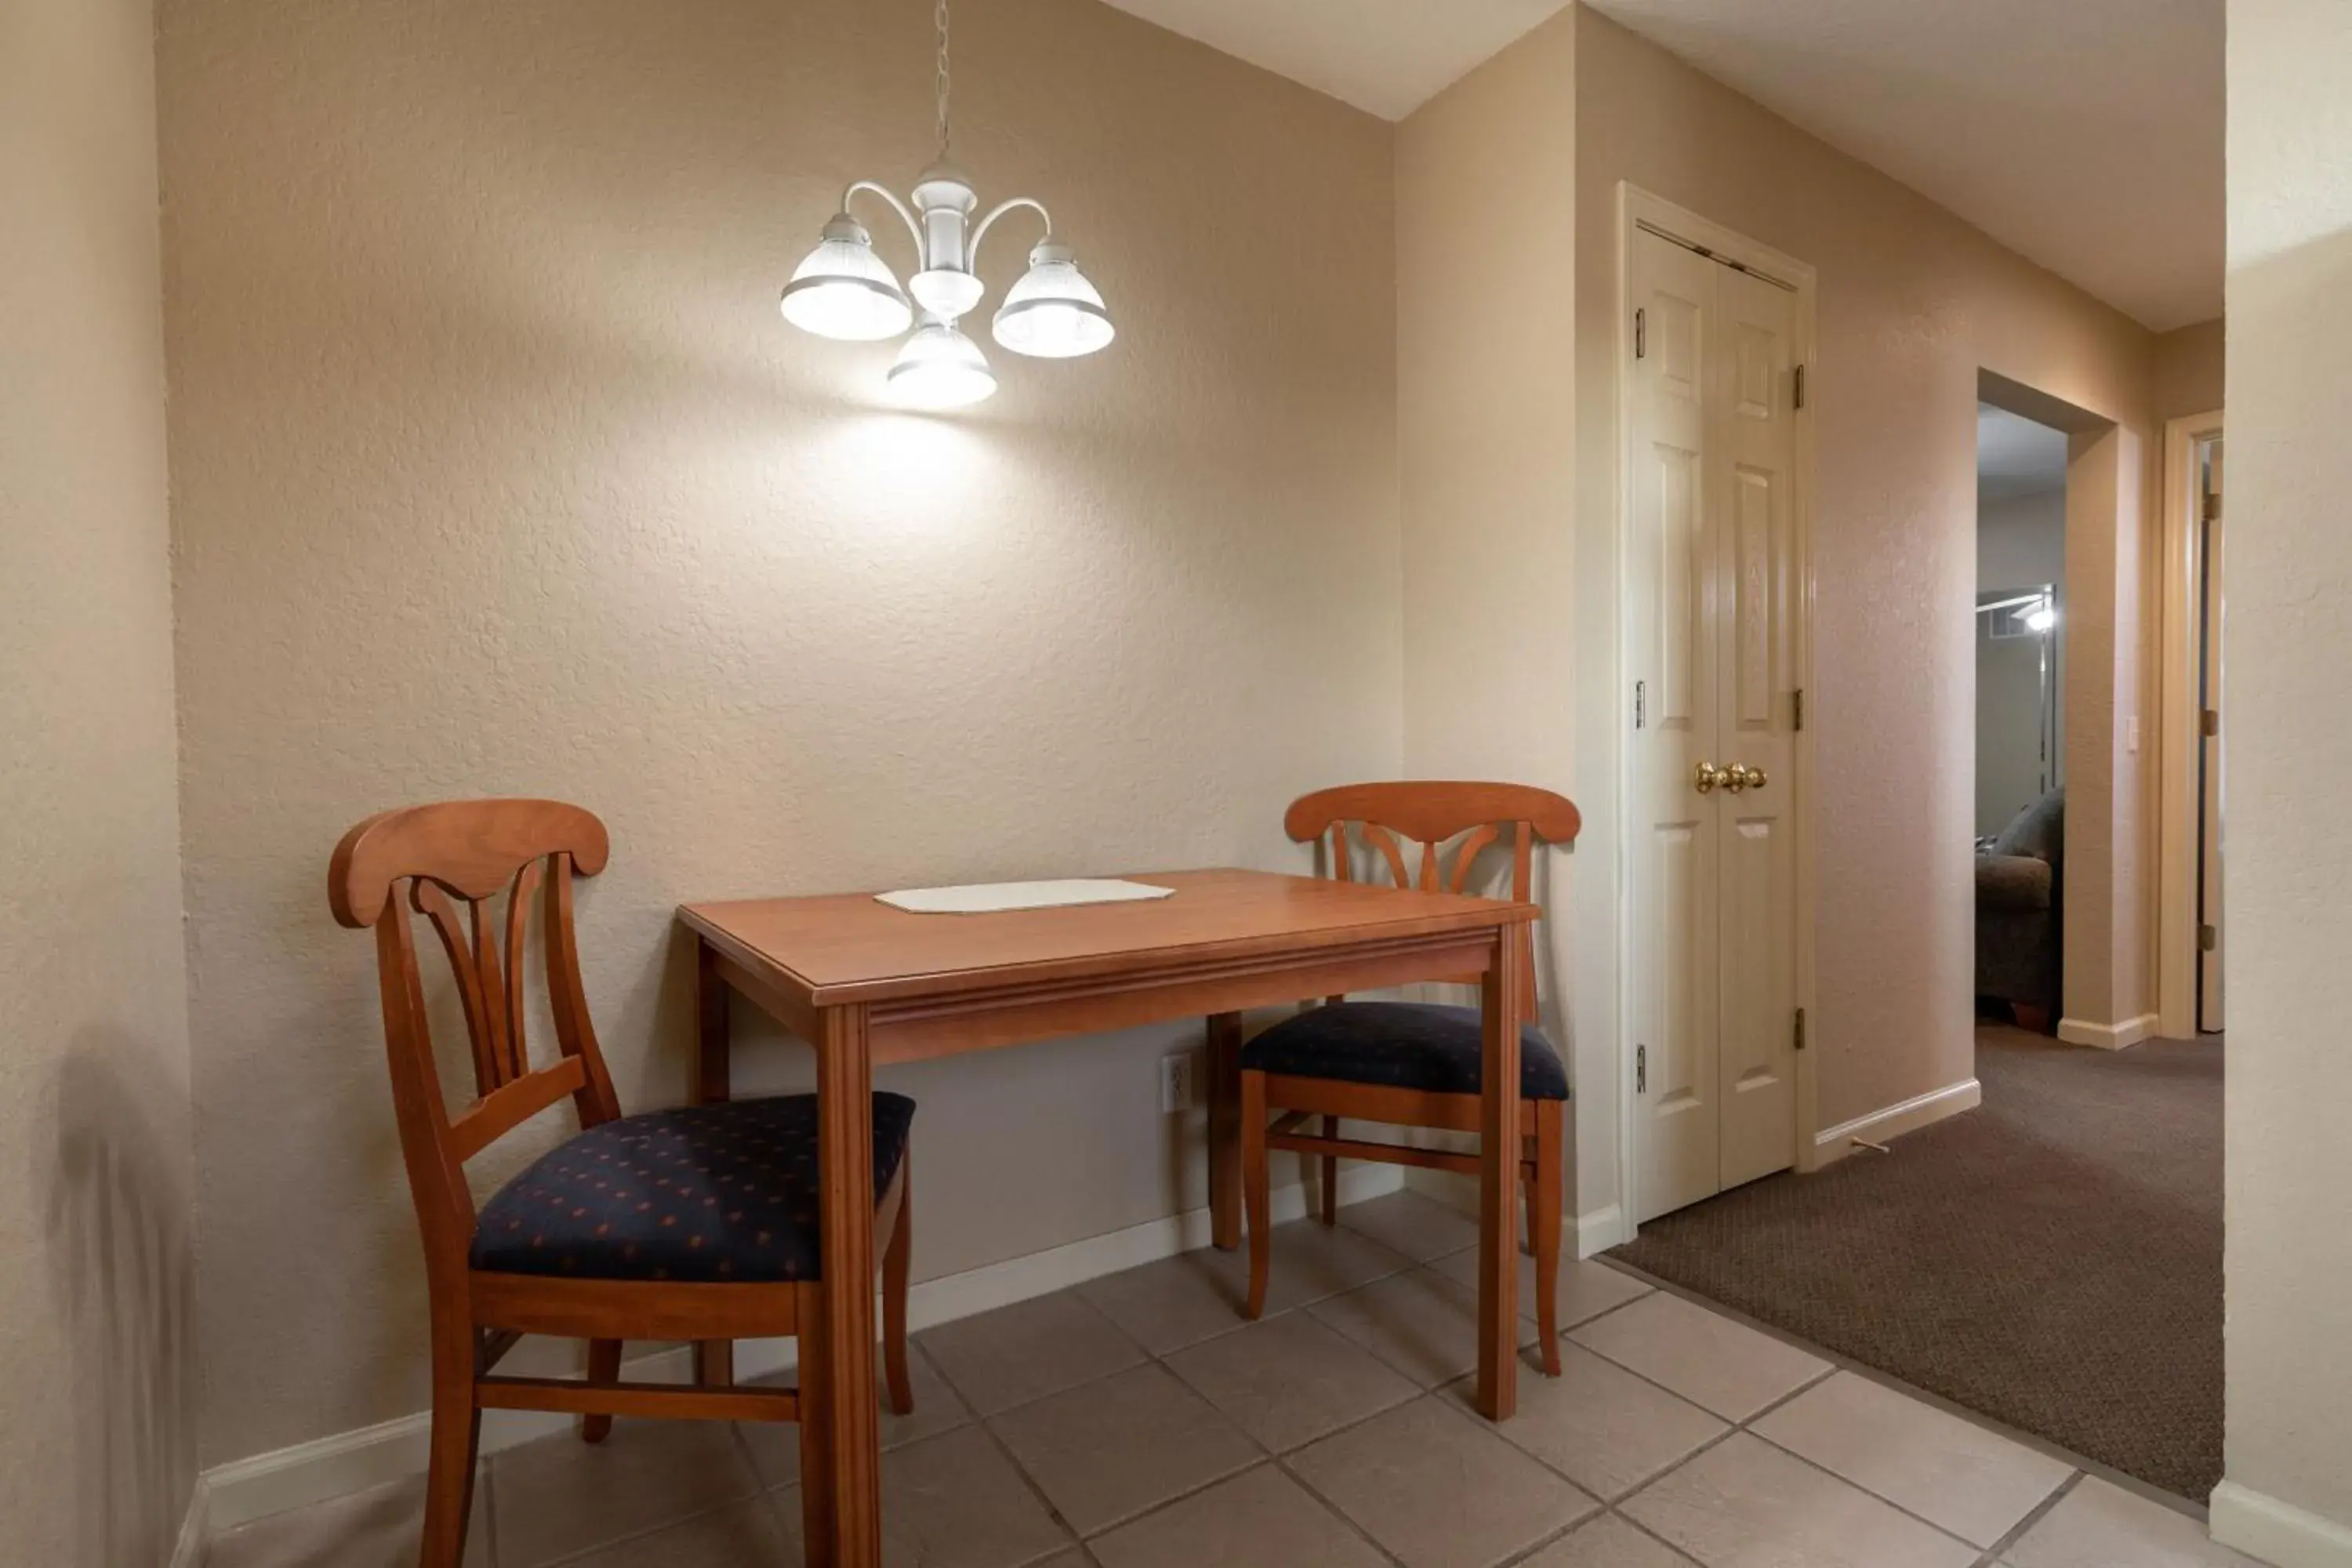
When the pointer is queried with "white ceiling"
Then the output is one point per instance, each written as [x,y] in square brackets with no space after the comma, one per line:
[2084,134]
[1384,55]
[2016,456]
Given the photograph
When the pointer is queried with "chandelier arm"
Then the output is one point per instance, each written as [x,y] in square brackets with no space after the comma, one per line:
[980,232]
[906,215]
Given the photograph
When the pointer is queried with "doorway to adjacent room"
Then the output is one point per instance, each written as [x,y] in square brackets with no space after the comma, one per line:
[2021,663]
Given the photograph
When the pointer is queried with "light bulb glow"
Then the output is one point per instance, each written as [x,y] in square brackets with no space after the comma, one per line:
[946,291]
[939,368]
[843,290]
[2040,619]
[1053,312]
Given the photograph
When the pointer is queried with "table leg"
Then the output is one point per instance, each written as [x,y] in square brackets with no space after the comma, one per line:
[1224,1083]
[714,1359]
[1498,1180]
[841,1352]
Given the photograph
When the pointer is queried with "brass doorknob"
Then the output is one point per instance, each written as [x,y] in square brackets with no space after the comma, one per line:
[1708,776]
[1737,777]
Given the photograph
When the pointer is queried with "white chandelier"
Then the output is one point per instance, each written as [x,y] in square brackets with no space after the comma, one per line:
[844,291]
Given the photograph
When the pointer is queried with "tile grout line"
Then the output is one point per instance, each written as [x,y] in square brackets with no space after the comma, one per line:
[1280,1460]
[1831,1368]
[2046,1448]
[768,1495]
[1148,1355]
[1281,1463]
[1843,1480]
[2034,1516]
[1277,1459]
[1638,1527]
[1436,1391]
[1835,1366]
[760,1493]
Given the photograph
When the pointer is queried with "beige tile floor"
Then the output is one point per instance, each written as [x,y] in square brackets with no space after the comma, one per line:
[1137,1422]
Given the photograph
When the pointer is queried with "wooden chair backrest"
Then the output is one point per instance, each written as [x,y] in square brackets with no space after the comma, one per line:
[1434,814]
[431,859]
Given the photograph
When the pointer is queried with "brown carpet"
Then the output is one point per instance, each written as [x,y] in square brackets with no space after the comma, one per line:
[2051,1259]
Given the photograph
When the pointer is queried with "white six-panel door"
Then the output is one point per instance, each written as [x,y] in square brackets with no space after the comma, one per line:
[1714,596]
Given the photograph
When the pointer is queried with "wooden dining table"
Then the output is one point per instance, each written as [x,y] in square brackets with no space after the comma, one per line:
[865,985]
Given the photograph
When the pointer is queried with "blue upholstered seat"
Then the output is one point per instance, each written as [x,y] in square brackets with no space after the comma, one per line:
[708,1193]
[1400,1045]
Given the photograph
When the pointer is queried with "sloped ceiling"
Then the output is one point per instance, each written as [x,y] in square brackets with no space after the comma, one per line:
[2084,134]
[1385,55]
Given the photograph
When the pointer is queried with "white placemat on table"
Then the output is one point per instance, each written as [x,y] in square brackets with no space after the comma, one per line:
[988,898]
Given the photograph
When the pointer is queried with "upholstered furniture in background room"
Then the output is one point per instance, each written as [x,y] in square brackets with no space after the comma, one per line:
[2020,906]
[1411,1064]
[695,1224]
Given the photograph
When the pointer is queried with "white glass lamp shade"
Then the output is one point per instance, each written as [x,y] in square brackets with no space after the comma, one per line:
[939,368]
[846,291]
[1053,312]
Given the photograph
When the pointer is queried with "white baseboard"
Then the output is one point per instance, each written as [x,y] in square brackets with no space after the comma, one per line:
[1834,1144]
[189,1550]
[2108,1036]
[1598,1231]
[1581,1235]
[2278,1533]
[247,1489]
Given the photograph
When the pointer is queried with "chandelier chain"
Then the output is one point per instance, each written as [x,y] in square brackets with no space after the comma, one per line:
[941,16]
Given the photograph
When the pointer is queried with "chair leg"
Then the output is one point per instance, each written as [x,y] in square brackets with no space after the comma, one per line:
[898,1258]
[1256,1199]
[603,1366]
[455,1440]
[1331,1174]
[1544,1221]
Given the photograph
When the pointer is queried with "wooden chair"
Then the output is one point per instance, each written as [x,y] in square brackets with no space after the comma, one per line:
[697,1223]
[1409,1064]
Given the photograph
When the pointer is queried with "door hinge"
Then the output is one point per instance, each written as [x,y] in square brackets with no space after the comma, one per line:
[2211,721]
[1641,703]
[2208,939]
[1798,712]
[1641,334]
[1800,1028]
[1641,1069]
[1801,386]
[2212,506]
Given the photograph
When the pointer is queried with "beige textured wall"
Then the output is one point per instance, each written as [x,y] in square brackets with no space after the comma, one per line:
[97,1451]
[2110,813]
[2021,542]
[2287,749]
[497,471]
[1912,302]
[2189,370]
[1485,416]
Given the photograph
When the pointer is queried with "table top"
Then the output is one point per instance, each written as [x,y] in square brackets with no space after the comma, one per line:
[846,947]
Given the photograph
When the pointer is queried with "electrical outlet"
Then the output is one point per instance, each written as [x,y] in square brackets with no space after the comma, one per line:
[1176,1082]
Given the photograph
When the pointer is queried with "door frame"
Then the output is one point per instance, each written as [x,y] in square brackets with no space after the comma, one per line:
[2179,723]
[1638,209]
